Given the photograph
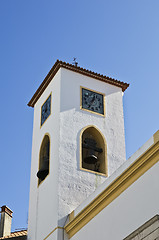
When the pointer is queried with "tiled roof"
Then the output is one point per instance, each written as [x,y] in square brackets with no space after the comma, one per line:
[15,234]
[77,69]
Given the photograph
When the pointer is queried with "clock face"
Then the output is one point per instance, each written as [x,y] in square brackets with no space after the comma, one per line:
[92,101]
[45,110]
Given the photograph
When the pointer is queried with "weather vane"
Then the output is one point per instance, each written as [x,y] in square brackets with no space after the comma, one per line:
[75,62]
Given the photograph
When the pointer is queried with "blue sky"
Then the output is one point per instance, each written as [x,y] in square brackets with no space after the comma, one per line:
[116,38]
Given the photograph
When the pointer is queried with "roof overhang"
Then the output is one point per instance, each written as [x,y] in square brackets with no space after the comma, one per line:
[59,64]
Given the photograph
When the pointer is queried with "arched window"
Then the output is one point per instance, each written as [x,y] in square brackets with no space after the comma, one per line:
[93,150]
[44,159]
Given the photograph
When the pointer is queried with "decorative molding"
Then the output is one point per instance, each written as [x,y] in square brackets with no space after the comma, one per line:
[119,185]
[52,232]
[156,136]
[71,216]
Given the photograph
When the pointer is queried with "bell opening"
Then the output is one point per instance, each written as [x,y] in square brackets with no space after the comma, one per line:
[93,149]
[44,159]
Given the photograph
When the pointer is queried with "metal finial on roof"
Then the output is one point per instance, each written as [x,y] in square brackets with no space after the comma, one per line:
[75,62]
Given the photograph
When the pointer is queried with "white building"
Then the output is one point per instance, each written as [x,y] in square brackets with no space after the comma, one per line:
[81,186]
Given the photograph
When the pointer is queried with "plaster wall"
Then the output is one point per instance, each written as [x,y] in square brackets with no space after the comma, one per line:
[43,204]
[126,213]
[67,185]
[75,185]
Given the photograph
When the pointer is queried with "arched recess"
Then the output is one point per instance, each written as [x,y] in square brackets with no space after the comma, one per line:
[93,151]
[44,159]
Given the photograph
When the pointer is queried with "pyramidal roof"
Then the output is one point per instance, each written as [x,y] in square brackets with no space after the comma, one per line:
[59,64]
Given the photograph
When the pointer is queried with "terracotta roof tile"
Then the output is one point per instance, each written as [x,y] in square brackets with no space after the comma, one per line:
[58,64]
[15,234]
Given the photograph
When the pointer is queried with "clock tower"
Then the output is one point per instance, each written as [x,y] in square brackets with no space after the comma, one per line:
[78,141]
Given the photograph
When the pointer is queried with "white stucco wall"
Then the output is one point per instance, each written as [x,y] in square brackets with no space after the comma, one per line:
[76,185]
[67,186]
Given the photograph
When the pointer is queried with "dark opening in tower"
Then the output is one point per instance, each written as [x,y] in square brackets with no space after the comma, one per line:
[44,159]
[93,150]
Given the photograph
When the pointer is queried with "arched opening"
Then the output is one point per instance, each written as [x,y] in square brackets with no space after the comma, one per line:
[93,150]
[44,159]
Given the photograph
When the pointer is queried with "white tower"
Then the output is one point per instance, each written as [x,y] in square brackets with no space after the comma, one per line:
[78,141]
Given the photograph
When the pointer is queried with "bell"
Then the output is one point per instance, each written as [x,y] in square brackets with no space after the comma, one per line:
[91,158]
[92,151]
[44,170]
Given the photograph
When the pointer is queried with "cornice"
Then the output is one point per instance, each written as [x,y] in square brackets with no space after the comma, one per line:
[59,64]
